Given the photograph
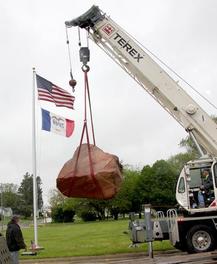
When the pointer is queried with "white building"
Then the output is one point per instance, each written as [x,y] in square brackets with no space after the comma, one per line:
[6,211]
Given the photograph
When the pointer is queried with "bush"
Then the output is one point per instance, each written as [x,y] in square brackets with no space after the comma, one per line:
[68,216]
[88,216]
[59,215]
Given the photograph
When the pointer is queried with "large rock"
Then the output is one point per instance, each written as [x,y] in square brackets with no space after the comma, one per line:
[103,183]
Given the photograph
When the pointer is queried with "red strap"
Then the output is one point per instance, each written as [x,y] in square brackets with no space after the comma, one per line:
[91,116]
[85,129]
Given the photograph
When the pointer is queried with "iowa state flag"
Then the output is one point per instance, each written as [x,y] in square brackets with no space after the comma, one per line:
[57,124]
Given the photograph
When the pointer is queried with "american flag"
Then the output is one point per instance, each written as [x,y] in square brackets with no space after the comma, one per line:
[48,91]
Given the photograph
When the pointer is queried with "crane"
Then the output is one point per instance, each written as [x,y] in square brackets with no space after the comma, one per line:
[134,60]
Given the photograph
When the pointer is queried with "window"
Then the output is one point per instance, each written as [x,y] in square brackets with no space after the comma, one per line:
[215,173]
[195,175]
[181,188]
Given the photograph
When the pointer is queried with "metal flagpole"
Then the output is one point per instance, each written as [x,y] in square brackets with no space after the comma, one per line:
[34,162]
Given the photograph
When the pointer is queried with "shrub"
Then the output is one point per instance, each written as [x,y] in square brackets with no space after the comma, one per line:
[59,215]
[88,216]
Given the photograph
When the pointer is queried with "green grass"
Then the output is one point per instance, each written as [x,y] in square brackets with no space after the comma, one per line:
[83,239]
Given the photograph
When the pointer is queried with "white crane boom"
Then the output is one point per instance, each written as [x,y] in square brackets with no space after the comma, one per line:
[125,51]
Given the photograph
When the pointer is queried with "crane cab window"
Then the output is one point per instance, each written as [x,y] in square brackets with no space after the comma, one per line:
[195,176]
[181,187]
[194,186]
[201,191]
[215,174]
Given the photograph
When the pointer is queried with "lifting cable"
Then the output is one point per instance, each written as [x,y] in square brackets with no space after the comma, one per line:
[84,58]
[181,78]
[72,81]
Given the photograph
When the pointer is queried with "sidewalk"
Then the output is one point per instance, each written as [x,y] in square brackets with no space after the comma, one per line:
[175,257]
[125,258]
[88,259]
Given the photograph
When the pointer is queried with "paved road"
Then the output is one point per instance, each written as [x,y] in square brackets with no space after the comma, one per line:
[138,258]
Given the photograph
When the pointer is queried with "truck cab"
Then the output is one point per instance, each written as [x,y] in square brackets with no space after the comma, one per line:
[196,192]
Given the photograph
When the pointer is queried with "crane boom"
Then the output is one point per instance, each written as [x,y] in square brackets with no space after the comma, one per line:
[125,51]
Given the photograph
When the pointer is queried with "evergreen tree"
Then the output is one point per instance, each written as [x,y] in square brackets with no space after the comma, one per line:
[26,194]
[39,193]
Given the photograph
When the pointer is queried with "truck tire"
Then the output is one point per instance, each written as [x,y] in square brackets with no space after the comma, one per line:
[200,239]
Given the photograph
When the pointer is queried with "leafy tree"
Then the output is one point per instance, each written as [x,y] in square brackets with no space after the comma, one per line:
[127,199]
[190,147]
[123,202]
[89,209]
[97,207]
[165,181]
[63,213]
[56,198]
[62,208]
[9,196]
[57,214]
[179,160]
[143,186]
[157,184]
[154,184]
[88,216]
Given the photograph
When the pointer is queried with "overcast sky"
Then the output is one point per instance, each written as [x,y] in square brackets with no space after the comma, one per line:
[128,122]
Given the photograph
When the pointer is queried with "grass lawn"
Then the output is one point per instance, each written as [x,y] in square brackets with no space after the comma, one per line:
[83,239]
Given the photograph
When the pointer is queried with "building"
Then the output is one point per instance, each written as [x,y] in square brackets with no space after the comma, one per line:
[6,211]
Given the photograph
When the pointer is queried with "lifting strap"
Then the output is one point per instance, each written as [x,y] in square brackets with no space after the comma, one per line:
[87,104]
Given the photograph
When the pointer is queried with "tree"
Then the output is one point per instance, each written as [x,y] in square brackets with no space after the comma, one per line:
[26,195]
[179,160]
[154,184]
[157,184]
[63,213]
[124,202]
[127,199]
[62,208]
[9,196]
[39,193]
[90,209]
[144,186]
[165,182]
[190,147]
[97,207]
[56,198]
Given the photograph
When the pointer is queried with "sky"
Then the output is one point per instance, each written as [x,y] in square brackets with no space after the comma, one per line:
[127,121]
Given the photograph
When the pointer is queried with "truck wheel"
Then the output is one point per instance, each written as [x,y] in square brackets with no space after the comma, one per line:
[200,239]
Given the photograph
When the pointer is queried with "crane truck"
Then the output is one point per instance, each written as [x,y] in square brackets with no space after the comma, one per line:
[195,228]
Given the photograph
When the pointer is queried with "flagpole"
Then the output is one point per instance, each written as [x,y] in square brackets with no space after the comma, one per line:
[34,162]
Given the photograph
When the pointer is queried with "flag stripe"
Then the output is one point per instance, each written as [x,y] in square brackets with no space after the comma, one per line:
[61,92]
[70,125]
[45,120]
[48,91]
[68,102]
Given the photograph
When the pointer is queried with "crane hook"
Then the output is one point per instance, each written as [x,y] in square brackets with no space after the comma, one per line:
[85,68]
